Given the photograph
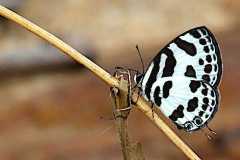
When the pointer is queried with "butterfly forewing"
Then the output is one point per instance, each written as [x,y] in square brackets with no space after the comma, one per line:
[193,56]
[198,55]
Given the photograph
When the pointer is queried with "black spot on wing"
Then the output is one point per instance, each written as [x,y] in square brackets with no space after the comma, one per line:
[189,48]
[213,102]
[214,57]
[166,88]
[206,49]
[205,100]
[192,104]
[201,113]
[152,78]
[195,33]
[177,113]
[201,62]
[205,91]
[210,109]
[157,98]
[194,85]
[190,72]
[202,41]
[206,78]
[208,68]
[170,63]
[212,93]
[212,47]
[204,107]
[168,69]
[209,58]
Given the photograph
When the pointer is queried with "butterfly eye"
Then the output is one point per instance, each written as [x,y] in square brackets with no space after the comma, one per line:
[198,121]
[188,126]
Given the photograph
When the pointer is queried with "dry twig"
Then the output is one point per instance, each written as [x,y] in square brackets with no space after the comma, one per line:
[101,73]
[121,105]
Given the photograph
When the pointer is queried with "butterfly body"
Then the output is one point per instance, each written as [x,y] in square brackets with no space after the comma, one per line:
[182,79]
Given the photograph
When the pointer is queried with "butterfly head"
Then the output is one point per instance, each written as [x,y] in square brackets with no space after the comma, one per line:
[138,79]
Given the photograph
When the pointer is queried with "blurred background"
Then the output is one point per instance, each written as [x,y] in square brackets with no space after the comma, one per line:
[51,108]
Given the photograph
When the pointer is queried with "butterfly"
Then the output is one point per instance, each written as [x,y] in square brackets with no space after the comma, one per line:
[182,79]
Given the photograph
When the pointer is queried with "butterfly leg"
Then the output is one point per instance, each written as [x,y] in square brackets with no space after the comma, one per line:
[152,107]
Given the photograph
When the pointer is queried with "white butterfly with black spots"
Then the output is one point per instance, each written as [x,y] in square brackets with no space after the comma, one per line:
[183,78]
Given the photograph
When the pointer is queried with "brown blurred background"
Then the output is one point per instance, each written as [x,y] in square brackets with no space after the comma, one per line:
[51,108]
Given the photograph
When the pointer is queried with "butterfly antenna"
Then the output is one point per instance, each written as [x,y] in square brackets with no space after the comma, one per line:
[140,56]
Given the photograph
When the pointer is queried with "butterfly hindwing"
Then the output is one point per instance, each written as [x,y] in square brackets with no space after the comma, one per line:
[186,101]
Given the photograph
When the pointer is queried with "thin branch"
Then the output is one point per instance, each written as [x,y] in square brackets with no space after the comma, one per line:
[101,73]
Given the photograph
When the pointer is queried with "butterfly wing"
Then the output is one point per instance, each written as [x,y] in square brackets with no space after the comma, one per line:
[183,78]
[188,102]
[195,53]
